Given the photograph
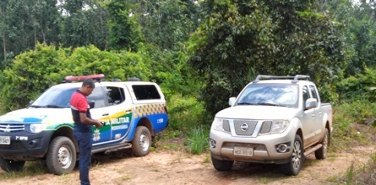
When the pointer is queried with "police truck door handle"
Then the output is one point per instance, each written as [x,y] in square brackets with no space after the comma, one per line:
[105,114]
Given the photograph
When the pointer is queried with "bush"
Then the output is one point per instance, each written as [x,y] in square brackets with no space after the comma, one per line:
[197,141]
[30,73]
[185,112]
[359,87]
[34,71]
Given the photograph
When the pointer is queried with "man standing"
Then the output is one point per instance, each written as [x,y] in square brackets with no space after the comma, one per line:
[82,130]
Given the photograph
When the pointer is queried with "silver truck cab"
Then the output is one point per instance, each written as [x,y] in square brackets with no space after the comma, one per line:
[275,119]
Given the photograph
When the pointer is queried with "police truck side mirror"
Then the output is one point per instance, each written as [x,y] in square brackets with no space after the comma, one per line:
[91,104]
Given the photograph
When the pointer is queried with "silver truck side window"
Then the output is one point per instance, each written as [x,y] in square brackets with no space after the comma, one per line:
[313,92]
[305,94]
[146,92]
[115,95]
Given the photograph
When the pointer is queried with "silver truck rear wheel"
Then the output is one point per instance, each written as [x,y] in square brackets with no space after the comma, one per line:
[10,165]
[141,142]
[322,152]
[222,165]
[296,161]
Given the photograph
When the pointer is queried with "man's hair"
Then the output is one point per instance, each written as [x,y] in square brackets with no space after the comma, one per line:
[88,82]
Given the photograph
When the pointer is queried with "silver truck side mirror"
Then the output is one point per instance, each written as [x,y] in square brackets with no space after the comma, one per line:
[310,103]
[231,101]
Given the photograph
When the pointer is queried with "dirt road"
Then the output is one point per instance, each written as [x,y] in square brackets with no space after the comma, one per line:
[168,167]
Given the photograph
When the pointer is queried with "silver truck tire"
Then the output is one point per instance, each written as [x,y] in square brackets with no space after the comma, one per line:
[322,152]
[10,165]
[296,161]
[141,142]
[61,156]
[221,165]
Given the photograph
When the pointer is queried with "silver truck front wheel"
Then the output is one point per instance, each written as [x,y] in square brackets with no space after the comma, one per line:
[295,163]
[221,165]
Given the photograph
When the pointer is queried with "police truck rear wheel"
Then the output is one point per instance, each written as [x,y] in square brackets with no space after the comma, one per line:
[141,142]
[10,165]
[61,156]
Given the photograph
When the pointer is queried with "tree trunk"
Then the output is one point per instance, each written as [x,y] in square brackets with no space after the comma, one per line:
[4,47]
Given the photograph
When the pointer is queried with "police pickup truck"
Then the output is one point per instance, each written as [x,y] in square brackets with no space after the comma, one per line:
[133,112]
[274,119]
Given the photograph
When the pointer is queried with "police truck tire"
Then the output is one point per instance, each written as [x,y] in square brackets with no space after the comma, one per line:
[61,156]
[141,142]
[10,165]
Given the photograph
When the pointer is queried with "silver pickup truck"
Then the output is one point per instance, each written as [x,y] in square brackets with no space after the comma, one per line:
[275,119]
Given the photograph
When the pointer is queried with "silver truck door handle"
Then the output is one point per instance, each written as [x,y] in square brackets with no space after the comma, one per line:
[106,114]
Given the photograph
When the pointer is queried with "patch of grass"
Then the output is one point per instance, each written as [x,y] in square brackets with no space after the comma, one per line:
[30,169]
[351,123]
[197,140]
[123,178]
[362,175]
[207,159]
[169,140]
[265,180]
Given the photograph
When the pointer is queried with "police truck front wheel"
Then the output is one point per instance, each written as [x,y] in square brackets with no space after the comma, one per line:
[61,156]
[141,142]
[10,165]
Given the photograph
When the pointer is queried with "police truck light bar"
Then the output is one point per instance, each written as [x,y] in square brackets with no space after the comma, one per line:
[82,78]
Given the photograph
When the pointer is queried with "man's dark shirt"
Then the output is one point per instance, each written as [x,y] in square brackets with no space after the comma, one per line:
[79,105]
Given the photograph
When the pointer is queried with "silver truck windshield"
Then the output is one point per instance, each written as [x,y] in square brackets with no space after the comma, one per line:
[285,95]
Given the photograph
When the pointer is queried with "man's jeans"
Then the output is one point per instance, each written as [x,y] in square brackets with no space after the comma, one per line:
[84,141]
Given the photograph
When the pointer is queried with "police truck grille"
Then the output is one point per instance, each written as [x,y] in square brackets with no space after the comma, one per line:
[11,127]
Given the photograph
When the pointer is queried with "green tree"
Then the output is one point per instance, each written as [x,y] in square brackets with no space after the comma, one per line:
[125,32]
[241,39]
[3,28]
[83,23]
[23,24]
[168,23]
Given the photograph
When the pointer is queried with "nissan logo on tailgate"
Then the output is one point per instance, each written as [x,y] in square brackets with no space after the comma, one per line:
[244,127]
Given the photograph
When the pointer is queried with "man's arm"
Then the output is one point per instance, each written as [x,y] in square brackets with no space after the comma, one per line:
[85,120]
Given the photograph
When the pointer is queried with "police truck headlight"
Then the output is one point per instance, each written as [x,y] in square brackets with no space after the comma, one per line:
[37,128]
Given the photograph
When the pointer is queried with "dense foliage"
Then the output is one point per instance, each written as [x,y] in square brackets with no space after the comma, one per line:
[241,39]
[201,52]
[34,71]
